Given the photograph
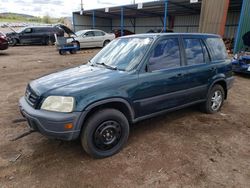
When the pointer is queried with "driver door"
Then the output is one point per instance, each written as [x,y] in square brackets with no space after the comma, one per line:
[87,40]
[26,36]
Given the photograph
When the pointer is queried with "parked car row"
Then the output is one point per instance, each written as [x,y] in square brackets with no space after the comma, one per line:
[37,34]
[84,38]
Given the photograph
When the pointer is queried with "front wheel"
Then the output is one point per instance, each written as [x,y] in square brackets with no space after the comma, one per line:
[13,42]
[215,100]
[105,133]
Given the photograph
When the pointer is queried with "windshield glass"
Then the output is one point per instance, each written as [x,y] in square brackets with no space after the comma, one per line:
[123,53]
[79,33]
[21,29]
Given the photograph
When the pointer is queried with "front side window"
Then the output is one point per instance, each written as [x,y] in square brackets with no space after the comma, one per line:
[89,34]
[123,53]
[165,55]
[28,30]
[193,51]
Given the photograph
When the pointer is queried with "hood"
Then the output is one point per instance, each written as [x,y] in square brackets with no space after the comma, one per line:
[66,29]
[84,76]
[11,34]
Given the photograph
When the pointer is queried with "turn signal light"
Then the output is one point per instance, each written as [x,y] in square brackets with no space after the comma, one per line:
[68,126]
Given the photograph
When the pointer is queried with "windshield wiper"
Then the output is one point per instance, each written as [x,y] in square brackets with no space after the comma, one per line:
[107,66]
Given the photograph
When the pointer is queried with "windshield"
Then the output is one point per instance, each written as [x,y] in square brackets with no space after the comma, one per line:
[21,29]
[123,53]
[79,33]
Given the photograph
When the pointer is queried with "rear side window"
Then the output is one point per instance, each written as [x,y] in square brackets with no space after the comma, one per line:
[194,51]
[217,48]
[99,33]
[165,55]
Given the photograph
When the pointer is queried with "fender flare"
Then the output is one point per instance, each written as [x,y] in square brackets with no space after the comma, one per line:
[110,100]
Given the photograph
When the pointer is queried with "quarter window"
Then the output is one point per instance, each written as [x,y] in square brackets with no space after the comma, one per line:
[165,55]
[194,51]
[217,48]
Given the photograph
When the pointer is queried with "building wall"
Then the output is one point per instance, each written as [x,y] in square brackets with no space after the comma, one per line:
[231,24]
[142,25]
[82,22]
[186,23]
[213,16]
[181,24]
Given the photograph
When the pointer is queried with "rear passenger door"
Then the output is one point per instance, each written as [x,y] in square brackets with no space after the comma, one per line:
[99,38]
[198,67]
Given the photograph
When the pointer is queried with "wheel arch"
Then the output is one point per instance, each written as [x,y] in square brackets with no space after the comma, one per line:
[116,103]
[221,82]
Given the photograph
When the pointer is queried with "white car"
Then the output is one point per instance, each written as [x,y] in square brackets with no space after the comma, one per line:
[92,38]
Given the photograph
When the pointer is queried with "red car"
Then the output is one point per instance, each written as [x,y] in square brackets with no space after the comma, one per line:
[3,42]
[117,32]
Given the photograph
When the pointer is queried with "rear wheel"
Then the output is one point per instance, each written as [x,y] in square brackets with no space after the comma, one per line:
[72,51]
[105,43]
[105,133]
[62,52]
[215,100]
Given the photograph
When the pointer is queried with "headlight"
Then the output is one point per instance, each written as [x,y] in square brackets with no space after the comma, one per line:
[58,104]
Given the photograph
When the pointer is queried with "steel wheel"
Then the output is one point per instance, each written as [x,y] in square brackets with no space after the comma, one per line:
[107,135]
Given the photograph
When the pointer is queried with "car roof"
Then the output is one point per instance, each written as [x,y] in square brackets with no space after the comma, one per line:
[156,35]
[86,30]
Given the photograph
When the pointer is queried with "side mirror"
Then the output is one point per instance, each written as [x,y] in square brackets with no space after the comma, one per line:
[150,65]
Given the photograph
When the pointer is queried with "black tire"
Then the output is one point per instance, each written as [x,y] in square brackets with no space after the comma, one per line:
[13,42]
[62,52]
[78,44]
[105,43]
[47,41]
[105,133]
[72,51]
[214,100]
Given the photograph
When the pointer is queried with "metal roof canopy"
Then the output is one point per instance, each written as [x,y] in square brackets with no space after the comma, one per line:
[156,9]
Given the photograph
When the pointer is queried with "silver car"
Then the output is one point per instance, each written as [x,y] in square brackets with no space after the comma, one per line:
[92,38]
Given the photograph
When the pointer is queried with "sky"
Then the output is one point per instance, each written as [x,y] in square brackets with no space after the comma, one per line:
[57,8]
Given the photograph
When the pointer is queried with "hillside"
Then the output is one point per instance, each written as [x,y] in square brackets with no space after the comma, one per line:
[15,17]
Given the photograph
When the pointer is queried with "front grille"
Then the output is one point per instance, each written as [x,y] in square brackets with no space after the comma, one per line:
[31,97]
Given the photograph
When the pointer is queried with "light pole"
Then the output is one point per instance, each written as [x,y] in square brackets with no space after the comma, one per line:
[81,12]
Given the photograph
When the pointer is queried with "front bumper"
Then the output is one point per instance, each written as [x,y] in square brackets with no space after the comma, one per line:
[51,124]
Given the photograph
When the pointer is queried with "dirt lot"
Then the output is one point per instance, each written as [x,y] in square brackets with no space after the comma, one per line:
[182,149]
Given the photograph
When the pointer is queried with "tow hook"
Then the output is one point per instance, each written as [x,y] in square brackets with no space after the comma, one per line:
[23,134]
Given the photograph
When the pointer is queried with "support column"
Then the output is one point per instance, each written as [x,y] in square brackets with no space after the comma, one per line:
[93,19]
[165,15]
[213,16]
[122,21]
